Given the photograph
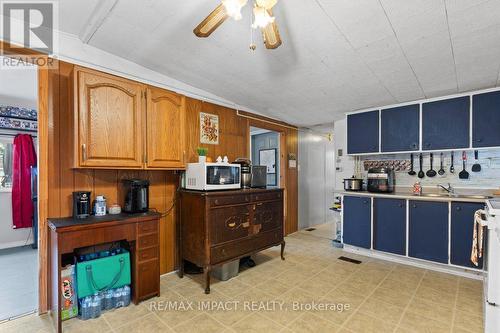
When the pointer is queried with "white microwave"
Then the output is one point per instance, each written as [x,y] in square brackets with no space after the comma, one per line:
[206,176]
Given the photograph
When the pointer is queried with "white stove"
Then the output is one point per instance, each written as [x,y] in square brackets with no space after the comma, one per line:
[492,276]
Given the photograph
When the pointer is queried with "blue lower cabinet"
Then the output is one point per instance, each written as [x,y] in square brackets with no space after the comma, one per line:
[428,231]
[389,225]
[357,221]
[462,226]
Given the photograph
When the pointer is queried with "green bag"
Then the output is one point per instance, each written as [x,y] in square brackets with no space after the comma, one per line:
[102,274]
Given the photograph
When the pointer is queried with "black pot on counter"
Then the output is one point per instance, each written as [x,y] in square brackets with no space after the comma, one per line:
[353,184]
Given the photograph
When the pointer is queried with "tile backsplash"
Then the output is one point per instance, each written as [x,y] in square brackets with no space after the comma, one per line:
[487,178]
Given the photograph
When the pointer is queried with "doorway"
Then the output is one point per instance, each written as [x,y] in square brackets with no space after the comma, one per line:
[265,150]
[18,188]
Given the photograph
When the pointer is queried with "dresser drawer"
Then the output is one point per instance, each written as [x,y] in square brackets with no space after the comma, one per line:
[245,246]
[147,254]
[229,224]
[264,196]
[147,241]
[147,227]
[229,200]
[268,215]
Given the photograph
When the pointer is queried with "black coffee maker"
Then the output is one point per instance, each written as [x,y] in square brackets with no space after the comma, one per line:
[81,204]
[136,195]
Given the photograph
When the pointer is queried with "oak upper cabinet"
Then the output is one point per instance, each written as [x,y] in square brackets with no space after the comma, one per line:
[109,121]
[165,127]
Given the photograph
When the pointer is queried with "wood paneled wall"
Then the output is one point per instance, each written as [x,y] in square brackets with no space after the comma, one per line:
[63,179]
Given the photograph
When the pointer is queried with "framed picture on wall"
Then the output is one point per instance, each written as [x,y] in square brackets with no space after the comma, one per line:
[209,128]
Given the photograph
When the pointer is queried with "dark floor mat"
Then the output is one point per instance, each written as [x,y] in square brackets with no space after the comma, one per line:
[310,229]
[352,261]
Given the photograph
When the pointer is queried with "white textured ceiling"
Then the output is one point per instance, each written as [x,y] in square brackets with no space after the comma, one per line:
[337,55]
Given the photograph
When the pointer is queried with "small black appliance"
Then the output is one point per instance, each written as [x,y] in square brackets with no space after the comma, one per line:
[136,195]
[381,180]
[81,204]
[259,176]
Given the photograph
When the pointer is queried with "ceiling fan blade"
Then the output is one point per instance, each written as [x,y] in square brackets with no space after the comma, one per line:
[211,22]
[271,34]
[267,4]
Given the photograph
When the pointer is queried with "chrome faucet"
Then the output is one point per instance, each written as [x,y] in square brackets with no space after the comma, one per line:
[448,189]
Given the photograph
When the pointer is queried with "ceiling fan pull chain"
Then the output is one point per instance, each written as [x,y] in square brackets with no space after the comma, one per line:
[252,44]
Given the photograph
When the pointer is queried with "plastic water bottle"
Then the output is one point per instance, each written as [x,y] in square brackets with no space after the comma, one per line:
[85,308]
[108,300]
[117,297]
[101,300]
[126,295]
[96,306]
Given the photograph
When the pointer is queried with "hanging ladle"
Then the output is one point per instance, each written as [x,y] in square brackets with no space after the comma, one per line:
[431,172]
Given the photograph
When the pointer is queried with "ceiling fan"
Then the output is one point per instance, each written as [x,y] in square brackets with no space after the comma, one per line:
[262,14]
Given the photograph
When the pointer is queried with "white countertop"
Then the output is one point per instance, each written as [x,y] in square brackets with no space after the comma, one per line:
[400,194]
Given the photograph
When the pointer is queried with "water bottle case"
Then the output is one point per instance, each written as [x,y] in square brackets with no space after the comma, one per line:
[92,306]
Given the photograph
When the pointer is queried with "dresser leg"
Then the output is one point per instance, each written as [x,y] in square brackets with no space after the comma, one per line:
[207,280]
[181,269]
[282,250]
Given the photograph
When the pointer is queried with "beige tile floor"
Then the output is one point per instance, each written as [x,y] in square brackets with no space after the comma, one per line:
[375,296]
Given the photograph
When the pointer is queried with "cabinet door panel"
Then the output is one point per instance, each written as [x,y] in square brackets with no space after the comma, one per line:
[486,120]
[462,225]
[148,279]
[428,231]
[400,128]
[268,215]
[357,221]
[363,132]
[446,124]
[110,111]
[389,225]
[165,129]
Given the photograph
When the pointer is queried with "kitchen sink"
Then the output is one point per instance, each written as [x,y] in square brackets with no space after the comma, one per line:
[460,196]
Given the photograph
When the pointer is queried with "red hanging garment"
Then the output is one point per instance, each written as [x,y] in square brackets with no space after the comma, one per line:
[23,158]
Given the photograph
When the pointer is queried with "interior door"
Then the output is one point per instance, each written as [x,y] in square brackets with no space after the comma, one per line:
[165,127]
[110,111]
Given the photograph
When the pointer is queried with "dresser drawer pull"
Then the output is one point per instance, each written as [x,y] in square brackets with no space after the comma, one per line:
[245,225]
[232,225]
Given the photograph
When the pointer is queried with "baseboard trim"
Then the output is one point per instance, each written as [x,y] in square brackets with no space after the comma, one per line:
[15,244]
[455,270]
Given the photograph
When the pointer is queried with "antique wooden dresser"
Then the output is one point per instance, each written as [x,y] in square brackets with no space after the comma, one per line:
[218,227]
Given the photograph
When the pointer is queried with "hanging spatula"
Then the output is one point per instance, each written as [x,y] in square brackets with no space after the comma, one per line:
[463,174]
[476,167]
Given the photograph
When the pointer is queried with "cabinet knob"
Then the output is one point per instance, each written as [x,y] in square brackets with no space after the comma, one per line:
[414,206]
[458,208]
[428,145]
[479,140]
[216,201]
[365,201]
[400,205]
[413,145]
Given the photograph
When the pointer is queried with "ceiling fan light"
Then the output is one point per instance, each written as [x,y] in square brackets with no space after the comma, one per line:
[261,17]
[233,8]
